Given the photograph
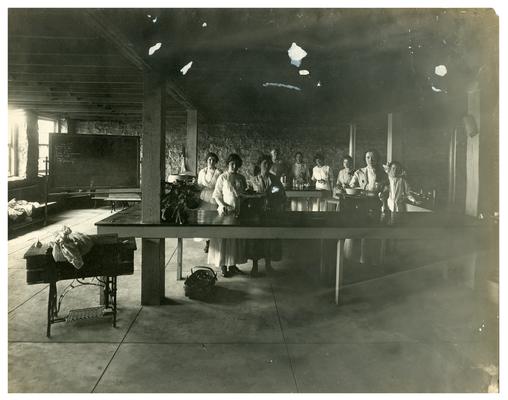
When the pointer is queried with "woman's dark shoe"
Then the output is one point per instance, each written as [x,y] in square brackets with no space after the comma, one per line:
[224,272]
[233,269]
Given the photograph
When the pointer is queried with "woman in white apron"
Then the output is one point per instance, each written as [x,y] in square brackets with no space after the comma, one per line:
[207,178]
[226,253]
[322,175]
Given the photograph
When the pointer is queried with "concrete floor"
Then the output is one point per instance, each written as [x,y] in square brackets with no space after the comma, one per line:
[401,328]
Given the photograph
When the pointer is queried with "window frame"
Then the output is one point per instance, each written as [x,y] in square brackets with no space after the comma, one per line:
[42,172]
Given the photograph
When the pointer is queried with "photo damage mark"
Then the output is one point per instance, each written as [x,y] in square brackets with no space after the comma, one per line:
[440,70]
[186,68]
[296,54]
[154,48]
[266,84]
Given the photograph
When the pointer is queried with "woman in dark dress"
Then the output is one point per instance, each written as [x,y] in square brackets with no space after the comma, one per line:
[269,184]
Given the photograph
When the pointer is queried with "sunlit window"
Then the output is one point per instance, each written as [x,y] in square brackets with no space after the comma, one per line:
[17,125]
[46,127]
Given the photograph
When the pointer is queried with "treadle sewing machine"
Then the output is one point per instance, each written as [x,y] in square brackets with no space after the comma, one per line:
[109,257]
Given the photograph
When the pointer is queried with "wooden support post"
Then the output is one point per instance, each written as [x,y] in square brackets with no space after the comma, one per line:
[452,168]
[473,154]
[179,259]
[339,269]
[71,126]
[352,142]
[394,139]
[192,141]
[154,146]
[32,155]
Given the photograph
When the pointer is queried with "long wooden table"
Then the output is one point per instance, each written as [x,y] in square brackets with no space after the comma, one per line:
[301,225]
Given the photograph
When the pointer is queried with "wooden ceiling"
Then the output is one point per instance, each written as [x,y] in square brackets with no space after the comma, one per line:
[88,64]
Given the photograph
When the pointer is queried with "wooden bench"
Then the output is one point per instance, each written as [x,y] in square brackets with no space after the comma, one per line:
[118,196]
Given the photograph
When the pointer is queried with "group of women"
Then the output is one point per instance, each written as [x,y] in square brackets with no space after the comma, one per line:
[222,190]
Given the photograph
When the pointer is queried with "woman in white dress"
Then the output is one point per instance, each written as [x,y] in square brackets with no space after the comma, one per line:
[300,176]
[207,178]
[322,175]
[226,253]
[399,191]
[345,174]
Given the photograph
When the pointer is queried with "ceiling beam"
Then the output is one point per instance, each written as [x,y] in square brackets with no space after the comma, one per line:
[50,99]
[107,30]
[70,77]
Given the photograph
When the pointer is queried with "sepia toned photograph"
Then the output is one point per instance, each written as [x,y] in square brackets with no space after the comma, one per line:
[252,200]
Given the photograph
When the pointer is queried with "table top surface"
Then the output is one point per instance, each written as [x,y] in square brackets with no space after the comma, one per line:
[289,219]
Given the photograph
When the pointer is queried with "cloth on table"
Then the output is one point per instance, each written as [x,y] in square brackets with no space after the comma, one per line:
[71,247]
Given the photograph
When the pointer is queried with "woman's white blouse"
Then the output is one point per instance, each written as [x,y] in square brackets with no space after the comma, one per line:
[322,173]
[207,178]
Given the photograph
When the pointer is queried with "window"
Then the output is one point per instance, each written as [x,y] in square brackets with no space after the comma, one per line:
[45,126]
[17,127]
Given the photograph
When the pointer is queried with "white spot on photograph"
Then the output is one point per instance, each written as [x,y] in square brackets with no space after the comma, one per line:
[441,70]
[283,85]
[296,54]
[154,48]
[186,68]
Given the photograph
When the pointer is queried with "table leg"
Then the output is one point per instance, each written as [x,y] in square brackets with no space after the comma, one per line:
[51,306]
[179,259]
[470,270]
[322,261]
[363,249]
[382,251]
[339,269]
[102,289]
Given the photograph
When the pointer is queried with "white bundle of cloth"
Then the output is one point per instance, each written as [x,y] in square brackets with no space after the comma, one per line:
[71,247]
[18,208]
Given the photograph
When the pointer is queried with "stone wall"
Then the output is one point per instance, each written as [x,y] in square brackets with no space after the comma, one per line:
[424,150]
[248,140]
[252,140]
